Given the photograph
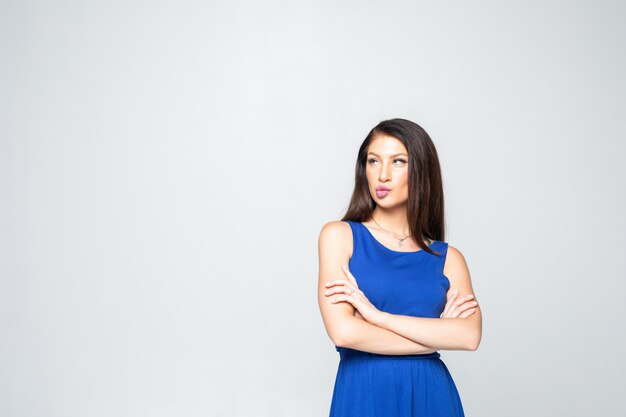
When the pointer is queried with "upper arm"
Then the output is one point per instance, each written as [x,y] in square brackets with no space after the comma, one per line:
[334,250]
[457,271]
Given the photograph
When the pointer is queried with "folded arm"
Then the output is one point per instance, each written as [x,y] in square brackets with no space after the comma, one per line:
[441,333]
[342,326]
[360,335]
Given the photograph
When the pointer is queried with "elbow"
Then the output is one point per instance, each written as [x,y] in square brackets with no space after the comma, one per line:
[472,346]
[341,336]
[473,342]
[340,342]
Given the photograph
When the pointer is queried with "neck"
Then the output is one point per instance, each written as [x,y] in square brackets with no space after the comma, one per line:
[394,219]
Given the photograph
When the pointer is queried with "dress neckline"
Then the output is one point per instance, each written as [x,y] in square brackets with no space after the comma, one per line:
[391,250]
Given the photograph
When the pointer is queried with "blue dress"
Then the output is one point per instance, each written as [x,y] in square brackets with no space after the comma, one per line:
[375,385]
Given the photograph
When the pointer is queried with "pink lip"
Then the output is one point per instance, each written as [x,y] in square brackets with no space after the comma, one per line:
[382,193]
[382,188]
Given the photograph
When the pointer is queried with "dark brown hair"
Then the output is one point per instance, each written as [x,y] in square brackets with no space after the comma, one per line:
[425,206]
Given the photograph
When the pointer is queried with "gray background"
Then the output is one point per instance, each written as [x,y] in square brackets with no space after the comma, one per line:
[166,167]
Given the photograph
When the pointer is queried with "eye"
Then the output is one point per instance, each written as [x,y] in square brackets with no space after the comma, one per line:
[372,160]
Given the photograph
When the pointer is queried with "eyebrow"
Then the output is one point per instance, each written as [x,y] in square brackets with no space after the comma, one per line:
[373,153]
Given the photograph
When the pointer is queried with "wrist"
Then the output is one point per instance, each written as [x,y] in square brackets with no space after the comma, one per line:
[381,320]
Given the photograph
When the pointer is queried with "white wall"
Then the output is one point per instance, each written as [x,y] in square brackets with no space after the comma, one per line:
[165,169]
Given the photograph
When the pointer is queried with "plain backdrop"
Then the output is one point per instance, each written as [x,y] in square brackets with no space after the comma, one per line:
[166,167]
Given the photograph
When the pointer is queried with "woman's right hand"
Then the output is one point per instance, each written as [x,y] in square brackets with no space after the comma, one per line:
[459,307]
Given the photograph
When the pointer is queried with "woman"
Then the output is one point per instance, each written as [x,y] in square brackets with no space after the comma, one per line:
[391,291]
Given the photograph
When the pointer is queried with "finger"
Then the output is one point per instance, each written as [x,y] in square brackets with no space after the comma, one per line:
[470,304]
[451,299]
[459,302]
[447,306]
[453,310]
[349,275]
[467,306]
[336,282]
[463,308]
[467,313]
[466,303]
[336,290]
[340,298]
[453,294]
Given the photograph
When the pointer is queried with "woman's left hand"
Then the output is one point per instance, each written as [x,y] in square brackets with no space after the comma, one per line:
[349,291]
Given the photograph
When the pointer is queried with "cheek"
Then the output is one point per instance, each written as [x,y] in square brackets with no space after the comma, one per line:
[405,184]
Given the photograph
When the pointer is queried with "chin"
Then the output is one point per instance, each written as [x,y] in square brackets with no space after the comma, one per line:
[385,203]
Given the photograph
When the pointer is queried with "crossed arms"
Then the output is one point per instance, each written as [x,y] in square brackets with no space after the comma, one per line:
[392,334]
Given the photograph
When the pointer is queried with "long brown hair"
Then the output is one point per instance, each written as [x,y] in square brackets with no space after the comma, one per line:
[425,206]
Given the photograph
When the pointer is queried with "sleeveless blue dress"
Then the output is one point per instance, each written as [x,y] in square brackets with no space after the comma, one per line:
[375,385]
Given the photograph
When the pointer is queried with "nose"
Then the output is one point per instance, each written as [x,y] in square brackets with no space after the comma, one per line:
[384,174]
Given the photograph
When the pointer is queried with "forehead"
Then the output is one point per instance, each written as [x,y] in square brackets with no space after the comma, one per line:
[385,145]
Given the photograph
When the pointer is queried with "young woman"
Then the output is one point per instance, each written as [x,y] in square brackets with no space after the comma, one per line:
[391,291]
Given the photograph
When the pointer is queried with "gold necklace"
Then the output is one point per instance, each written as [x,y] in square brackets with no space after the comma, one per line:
[400,241]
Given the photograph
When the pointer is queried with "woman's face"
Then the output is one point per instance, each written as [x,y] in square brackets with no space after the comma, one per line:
[387,166]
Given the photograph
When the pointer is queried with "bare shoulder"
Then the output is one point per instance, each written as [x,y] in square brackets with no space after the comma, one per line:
[457,271]
[336,229]
[454,258]
[337,235]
